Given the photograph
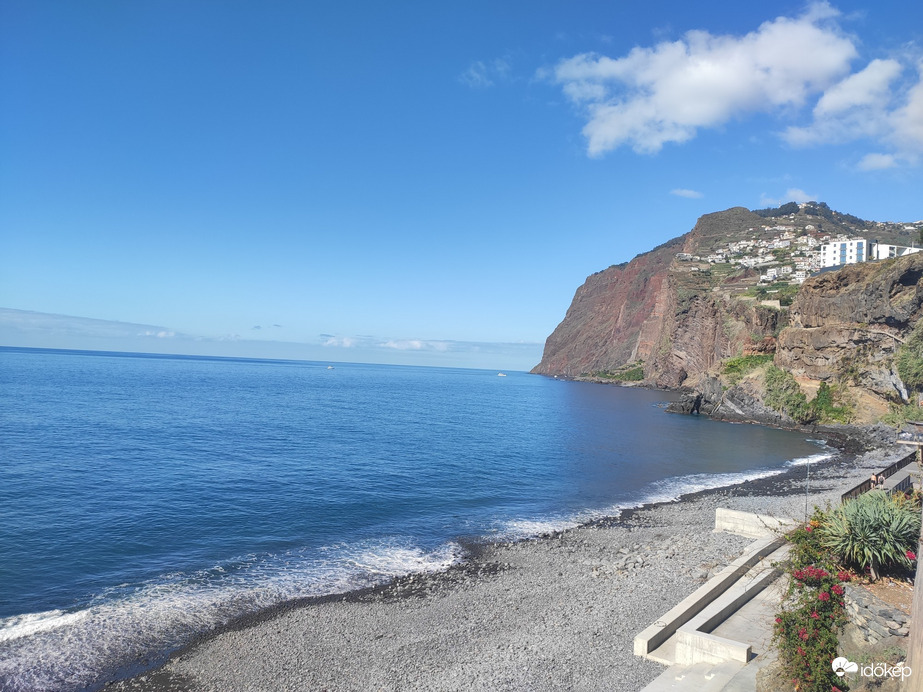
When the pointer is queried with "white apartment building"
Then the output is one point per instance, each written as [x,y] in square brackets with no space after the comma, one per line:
[842,252]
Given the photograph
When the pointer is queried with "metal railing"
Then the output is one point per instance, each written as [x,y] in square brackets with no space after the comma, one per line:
[866,485]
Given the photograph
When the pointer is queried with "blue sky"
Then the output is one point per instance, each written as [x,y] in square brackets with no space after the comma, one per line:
[413,182]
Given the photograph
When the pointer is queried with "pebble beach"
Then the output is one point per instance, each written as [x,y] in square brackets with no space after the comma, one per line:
[558,612]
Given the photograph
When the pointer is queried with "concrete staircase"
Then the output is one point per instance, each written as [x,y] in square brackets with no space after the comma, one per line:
[718,637]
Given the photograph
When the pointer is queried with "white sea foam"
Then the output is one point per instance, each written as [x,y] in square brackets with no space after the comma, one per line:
[519,529]
[77,648]
[813,459]
[33,623]
[395,561]
[666,490]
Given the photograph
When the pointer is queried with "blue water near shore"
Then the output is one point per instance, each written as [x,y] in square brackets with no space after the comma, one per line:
[144,499]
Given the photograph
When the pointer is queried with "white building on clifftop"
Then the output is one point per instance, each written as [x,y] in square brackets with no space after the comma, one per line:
[842,252]
[882,251]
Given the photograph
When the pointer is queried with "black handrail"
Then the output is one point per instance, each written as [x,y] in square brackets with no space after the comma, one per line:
[866,485]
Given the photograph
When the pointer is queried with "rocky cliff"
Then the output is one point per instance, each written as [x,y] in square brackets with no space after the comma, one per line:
[847,325]
[675,318]
[681,321]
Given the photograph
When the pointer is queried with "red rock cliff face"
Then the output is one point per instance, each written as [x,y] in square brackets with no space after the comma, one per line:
[712,329]
[614,319]
[656,311]
[847,325]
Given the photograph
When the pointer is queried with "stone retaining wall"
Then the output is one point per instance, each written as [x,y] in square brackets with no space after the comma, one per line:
[872,617]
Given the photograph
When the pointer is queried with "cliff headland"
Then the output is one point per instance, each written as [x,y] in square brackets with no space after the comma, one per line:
[736,312]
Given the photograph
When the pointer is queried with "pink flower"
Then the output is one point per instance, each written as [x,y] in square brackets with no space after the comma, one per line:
[778,621]
[815,615]
[803,634]
[843,576]
[800,651]
[837,589]
[824,596]
[911,555]
[809,528]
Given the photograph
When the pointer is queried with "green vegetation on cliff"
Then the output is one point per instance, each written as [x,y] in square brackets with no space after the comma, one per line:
[628,373]
[784,394]
[737,368]
[909,359]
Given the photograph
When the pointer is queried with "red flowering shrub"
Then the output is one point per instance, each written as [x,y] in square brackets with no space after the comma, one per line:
[812,613]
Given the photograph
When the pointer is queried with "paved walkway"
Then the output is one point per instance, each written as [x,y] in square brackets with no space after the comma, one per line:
[749,605]
[752,624]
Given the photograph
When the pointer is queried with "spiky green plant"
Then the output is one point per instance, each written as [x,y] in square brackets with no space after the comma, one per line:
[874,530]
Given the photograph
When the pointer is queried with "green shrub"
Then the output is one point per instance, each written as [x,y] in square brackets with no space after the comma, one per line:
[898,415]
[909,359]
[635,374]
[627,374]
[876,530]
[784,394]
[736,368]
[826,407]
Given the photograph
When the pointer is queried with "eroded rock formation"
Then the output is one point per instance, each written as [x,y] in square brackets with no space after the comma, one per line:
[682,321]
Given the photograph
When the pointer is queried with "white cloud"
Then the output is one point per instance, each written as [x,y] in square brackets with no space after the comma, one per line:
[371,342]
[908,119]
[869,87]
[481,75]
[792,194]
[21,328]
[340,342]
[666,93]
[875,105]
[857,107]
[877,162]
[654,96]
[688,194]
[416,345]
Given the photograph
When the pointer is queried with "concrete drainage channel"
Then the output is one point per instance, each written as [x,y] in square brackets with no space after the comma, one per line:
[708,639]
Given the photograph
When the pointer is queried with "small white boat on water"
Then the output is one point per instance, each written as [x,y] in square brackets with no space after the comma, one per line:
[501,374]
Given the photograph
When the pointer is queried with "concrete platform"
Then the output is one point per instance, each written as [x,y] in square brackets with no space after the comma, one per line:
[700,677]
[719,636]
[667,626]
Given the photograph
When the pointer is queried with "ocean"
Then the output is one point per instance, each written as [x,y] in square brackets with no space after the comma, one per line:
[147,499]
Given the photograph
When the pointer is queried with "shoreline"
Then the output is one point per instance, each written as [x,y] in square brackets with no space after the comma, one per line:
[367,618]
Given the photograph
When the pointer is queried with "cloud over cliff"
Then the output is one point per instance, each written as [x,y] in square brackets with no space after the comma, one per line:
[665,94]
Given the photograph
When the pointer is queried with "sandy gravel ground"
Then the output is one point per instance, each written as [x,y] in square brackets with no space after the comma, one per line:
[556,613]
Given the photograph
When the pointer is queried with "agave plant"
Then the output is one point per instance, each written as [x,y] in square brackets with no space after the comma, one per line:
[874,530]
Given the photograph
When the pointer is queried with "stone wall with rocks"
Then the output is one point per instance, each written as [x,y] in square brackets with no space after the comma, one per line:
[873,619]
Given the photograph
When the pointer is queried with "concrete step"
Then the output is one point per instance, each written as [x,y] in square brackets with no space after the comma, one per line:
[712,636]
[657,634]
[699,677]
[745,679]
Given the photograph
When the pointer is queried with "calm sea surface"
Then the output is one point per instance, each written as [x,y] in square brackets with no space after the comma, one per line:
[144,499]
